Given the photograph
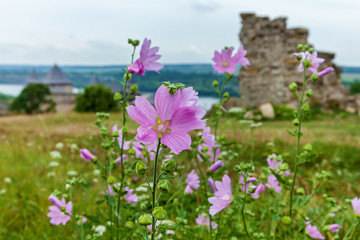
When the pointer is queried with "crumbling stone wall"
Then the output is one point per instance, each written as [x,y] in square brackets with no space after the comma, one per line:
[270,45]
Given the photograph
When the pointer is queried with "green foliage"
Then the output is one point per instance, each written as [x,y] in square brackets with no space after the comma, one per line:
[5,97]
[355,87]
[34,98]
[95,98]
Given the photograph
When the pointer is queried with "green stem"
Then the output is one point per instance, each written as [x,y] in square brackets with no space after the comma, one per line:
[243,208]
[355,225]
[218,228]
[154,191]
[124,103]
[298,141]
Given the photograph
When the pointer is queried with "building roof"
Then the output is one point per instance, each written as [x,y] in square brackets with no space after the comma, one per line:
[56,76]
[33,78]
[94,80]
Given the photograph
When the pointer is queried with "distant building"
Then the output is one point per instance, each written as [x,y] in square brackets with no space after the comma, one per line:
[55,79]
[60,86]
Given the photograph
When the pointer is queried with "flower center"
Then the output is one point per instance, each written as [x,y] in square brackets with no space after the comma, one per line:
[162,127]
[226,197]
[225,64]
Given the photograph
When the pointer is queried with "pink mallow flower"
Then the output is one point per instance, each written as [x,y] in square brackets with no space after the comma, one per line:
[273,183]
[356,205]
[216,166]
[86,155]
[222,197]
[170,122]
[147,60]
[61,212]
[225,62]
[259,189]
[314,61]
[202,219]
[249,183]
[193,182]
[273,162]
[129,197]
[334,227]
[314,232]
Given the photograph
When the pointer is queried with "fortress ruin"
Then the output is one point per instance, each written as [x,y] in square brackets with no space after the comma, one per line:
[270,45]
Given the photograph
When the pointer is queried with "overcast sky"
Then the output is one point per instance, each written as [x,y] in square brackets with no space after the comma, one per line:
[95,32]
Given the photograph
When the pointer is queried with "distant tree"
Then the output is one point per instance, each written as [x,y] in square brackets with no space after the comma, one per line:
[355,87]
[34,98]
[96,98]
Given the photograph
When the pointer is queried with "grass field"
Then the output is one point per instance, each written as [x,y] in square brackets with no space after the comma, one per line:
[27,176]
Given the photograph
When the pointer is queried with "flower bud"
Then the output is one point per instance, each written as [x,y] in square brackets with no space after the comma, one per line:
[284,167]
[226,95]
[309,93]
[159,213]
[134,88]
[305,107]
[306,47]
[125,129]
[205,149]
[164,185]
[169,165]
[300,47]
[140,168]
[306,63]
[300,191]
[286,220]
[308,147]
[127,77]
[215,83]
[314,77]
[63,208]
[296,122]
[98,122]
[145,219]
[293,86]
[311,50]
[103,131]
[129,224]
[132,152]
[115,134]
[111,180]
[117,96]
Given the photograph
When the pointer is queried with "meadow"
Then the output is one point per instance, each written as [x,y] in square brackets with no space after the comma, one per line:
[28,173]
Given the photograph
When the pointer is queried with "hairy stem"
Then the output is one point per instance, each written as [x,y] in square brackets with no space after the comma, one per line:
[298,135]
[154,191]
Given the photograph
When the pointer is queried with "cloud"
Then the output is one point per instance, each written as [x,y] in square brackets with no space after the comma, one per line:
[205,6]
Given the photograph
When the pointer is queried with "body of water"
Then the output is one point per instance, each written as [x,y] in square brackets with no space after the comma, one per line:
[15,90]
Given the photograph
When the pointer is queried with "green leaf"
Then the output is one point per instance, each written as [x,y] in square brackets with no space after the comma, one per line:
[278,177]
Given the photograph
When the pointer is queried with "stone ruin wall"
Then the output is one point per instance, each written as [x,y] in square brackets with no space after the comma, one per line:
[270,45]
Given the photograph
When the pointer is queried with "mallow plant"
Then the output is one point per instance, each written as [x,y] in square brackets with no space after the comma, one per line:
[178,178]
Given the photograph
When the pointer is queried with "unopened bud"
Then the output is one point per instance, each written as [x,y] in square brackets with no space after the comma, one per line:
[132,152]
[314,77]
[300,191]
[115,134]
[284,167]
[145,219]
[300,47]
[296,122]
[140,168]
[111,180]
[127,77]
[308,147]
[311,50]
[286,220]
[305,107]
[226,95]
[293,86]
[164,185]
[215,83]
[306,63]
[129,224]
[309,93]
[134,88]
[169,165]
[159,213]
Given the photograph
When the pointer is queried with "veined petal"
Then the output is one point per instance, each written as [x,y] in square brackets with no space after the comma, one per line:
[176,141]
[165,103]
[184,120]
[142,112]
[146,134]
